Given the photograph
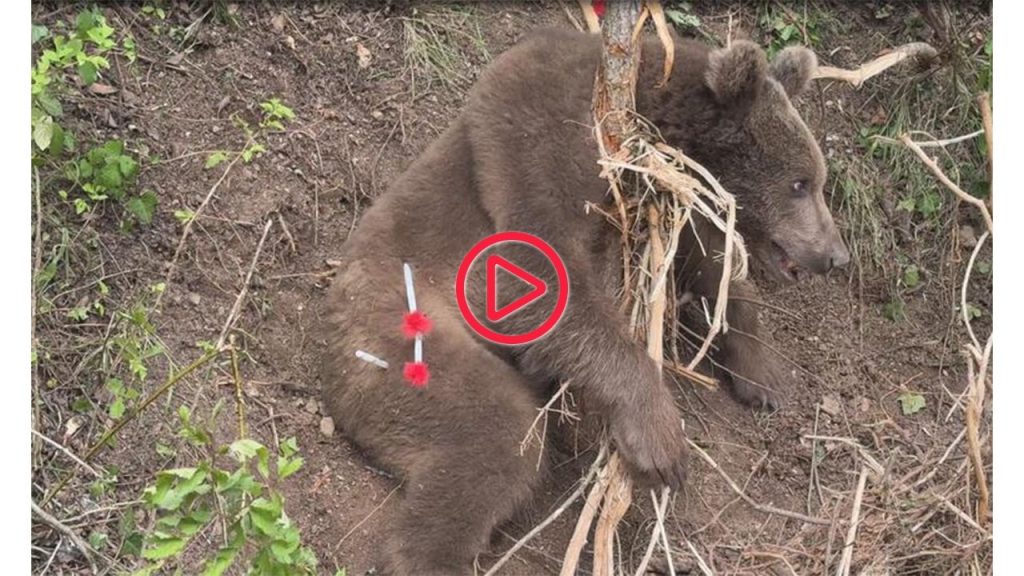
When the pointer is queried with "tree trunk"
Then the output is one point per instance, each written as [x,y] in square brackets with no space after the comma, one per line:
[615,89]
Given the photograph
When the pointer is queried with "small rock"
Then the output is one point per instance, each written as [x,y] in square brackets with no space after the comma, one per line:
[830,405]
[277,22]
[327,426]
[194,298]
[312,406]
[864,403]
[364,56]
[968,238]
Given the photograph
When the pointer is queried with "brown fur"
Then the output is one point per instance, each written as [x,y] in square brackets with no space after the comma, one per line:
[521,156]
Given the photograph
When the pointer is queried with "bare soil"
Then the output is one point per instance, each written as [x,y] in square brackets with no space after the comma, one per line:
[357,126]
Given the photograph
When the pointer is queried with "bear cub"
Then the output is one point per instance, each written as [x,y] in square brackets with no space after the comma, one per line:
[521,156]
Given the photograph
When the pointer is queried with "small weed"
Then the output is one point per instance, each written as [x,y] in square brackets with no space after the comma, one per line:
[911,403]
[894,310]
[785,28]
[434,46]
[238,498]
[273,116]
[682,16]
[106,171]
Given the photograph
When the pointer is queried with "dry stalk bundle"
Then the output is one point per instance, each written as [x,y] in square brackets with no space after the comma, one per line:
[657,191]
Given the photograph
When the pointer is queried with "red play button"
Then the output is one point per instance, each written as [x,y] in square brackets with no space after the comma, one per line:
[495,264]
[535,289]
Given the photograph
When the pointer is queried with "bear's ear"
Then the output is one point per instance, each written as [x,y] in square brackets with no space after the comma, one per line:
[735,74]
[794,67]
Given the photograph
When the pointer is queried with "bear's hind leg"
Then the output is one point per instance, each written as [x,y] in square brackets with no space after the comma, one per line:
[468,481]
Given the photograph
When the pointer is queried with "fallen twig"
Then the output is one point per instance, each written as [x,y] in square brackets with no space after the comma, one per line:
[87,551]
[933,166]
[916,50]
[237,307]
[851,531]
[68,453]
[132,415]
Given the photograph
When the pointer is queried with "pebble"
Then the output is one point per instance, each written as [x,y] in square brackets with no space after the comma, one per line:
[327,426]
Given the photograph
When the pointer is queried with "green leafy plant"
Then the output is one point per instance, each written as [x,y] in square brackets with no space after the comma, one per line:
[786,28]
[274,115]
[911,403]
[237,497]
[682,16]
[82,51]
[106,171]
[911,276]
[894,310]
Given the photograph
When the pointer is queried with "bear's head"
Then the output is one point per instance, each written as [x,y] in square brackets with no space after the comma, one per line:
[742,126]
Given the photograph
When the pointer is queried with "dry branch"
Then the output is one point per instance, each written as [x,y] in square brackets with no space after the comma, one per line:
[985,105]
[978,356]
[593,23]
[662,205]
[919,51]
[933,166]
[240,299]
[59,526]
[851,532]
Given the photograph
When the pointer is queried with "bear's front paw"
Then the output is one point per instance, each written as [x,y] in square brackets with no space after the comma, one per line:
[653,444]
[757,377]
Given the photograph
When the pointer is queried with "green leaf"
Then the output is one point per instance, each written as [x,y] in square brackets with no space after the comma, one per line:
[264,522]
[117,409]
[893,310]
[929,203]
[911,276]
[51,105]
[184,216]
[42,132]
[85,20]
[39,32]
[911,403]
[97,539]
[58,142]
[252,151]
[88,72]
[290,446]
[142,207]
[215,159]
[907,204]
[245,449]
[222,561]
[164,548]
[286,467]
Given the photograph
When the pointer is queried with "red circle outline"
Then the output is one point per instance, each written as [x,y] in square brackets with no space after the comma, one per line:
[556,313]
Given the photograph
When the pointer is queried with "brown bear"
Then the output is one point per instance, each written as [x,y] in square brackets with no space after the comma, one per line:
[522,157]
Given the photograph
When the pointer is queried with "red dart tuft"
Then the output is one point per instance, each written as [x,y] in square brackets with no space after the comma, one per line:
[417,374]
[414,323]
[598,7]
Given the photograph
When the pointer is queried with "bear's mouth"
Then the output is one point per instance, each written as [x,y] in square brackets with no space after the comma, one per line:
[785,266]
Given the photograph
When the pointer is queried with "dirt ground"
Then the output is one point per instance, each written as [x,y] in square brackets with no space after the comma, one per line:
[369,94]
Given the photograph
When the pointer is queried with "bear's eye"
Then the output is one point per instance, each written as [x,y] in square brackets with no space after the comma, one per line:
[800,188]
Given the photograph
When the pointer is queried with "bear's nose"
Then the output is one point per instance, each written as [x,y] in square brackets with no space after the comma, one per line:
[840,254]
